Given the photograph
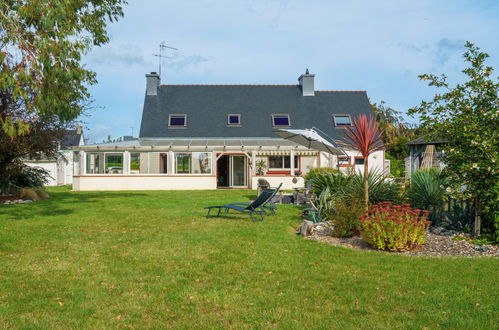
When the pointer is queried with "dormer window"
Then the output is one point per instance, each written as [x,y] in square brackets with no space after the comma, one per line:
[280,120]
[177,121]
[342,120]
[234,120]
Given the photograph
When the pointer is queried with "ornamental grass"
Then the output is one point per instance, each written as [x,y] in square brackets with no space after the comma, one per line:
[394,227]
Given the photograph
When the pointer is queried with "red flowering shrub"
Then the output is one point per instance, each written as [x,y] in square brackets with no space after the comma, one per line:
[394,227]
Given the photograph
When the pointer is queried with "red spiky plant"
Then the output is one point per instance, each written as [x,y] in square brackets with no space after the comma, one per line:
[365,137]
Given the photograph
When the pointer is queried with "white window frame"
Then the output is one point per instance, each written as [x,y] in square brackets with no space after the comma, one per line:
[342,115]
[104,153]
[348,161]
[281,115]
[177,115]
[174,162]
[149,162]
[238,120]
[296,167]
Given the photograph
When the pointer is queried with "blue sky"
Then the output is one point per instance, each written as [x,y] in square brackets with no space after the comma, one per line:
[377,46]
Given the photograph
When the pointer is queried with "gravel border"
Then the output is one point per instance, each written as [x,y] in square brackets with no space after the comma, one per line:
[435,246]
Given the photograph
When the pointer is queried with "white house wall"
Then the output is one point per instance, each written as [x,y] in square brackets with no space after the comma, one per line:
[275,180]
[50,167]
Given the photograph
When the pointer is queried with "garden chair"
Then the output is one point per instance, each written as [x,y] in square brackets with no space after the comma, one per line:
[269,204]
[254,208]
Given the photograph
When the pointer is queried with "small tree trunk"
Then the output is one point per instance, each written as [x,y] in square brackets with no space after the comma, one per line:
[478,220]
[366,183]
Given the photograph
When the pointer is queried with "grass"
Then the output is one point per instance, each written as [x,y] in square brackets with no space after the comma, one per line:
[151,260]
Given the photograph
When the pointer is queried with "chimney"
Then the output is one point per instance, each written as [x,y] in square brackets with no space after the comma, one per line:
[79,129]
[306,82]
[152,83]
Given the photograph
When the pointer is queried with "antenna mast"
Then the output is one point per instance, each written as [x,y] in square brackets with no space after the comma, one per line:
[162,47]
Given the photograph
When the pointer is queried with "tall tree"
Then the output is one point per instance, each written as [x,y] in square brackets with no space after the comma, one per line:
[365,137]
[41,44]
[467,116]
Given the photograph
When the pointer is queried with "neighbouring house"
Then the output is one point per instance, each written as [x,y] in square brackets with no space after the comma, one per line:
[60,167]
[220,136]
[423,154]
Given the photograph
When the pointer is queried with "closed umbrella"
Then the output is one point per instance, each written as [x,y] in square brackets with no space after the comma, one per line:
[309,138]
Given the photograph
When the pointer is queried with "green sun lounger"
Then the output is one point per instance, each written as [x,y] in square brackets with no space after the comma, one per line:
[253,209]
[268,205]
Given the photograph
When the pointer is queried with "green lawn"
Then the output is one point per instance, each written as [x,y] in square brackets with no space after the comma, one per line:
[151,259]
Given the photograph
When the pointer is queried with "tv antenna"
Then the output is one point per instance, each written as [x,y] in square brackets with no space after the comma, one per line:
[163,47]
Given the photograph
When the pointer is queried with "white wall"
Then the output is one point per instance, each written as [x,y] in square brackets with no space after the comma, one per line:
[50,167]
[132,182]
[376,162]
[275,180]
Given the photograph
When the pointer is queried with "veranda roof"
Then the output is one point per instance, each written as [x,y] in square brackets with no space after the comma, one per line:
[263,145]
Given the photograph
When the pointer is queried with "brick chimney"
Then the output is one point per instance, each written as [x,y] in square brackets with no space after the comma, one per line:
[152,84]
[306,82]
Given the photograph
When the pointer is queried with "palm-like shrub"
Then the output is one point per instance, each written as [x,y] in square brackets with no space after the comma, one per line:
[334,182]
[427,191]
[352,186]
[379,189]
[427,188]
[365,137]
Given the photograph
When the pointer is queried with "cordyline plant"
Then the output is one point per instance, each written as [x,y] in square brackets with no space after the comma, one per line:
[41,45]
[467,116]
[394,227]
[365,137]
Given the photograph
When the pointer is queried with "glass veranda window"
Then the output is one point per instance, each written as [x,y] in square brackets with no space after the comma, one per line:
[193,162]
[148,163]
[104,163]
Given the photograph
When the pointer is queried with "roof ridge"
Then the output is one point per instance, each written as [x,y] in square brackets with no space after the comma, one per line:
[338,91]
[210,85]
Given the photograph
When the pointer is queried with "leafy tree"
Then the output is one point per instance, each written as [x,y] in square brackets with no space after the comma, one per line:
[42,140]
[467,116]
[42,43]
[395,133]
[365,137]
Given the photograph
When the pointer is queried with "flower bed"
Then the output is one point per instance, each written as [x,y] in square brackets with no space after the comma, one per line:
[394,227]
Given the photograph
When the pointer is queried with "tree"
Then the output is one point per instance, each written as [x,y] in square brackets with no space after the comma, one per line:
[395,133]
[467,116]
[365,137]
[42,140]
[42,43]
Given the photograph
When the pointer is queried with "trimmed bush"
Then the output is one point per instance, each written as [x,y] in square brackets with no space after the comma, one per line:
[314,172]
[345,218]
[394,227]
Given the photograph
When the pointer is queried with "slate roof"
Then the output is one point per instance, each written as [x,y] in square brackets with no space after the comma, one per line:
[71,138]
[207,107]
[422,141]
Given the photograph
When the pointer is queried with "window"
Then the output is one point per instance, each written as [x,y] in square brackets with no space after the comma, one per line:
[135,163]
[164,163]
[177,121]
[359,161]
[148,163]
[114,163]
[183,162]
[343,160]
[281,162]
[233,120]
[104,163]
[281,120]
[193,162]
[342,120]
